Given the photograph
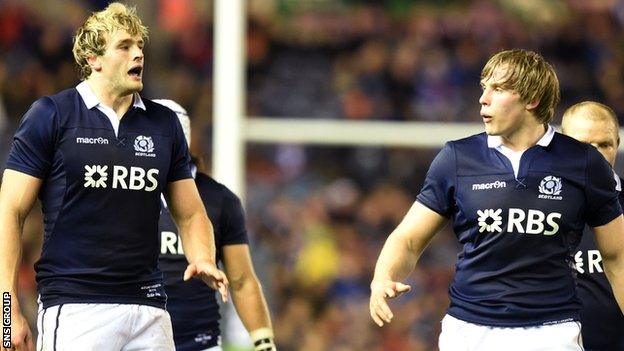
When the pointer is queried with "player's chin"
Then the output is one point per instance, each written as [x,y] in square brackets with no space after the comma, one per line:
[490,130]
[134,87]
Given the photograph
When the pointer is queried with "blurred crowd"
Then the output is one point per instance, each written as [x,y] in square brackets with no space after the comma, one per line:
[318,216]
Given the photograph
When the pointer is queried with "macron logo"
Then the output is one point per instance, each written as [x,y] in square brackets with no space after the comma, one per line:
[486,186]
[99,141]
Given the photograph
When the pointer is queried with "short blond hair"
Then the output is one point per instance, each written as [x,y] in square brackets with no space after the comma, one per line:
[530,76]
[90,38]
[591,110]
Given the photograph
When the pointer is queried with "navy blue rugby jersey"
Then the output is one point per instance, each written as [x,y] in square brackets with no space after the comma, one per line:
[518,233]
[100,196]
[601,317]
[193,305]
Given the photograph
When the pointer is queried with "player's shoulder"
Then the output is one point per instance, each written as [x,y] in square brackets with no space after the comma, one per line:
[65,95]
[207,184]
[473,141]
[64,98]
[155,109]
[569,144]
[48,108]
[468,147]
[566,148]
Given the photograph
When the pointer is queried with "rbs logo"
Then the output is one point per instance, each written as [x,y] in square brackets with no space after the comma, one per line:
[135,178]
[170,243]
[518,221]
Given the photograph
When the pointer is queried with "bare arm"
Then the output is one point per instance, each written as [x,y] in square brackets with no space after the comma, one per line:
[399,256]
[196,234]
[17,196]
[610,241]
[246,290]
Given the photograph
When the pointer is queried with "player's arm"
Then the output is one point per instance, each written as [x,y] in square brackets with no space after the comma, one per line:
[247,295]
[610,241]
[17,196]
[196,234]
[399,256]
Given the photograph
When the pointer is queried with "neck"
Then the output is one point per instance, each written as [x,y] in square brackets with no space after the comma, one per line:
[120,103]
[525,137]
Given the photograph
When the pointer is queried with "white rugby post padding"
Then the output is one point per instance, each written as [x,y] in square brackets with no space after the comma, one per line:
[229,94]
[228,109]
[356,133]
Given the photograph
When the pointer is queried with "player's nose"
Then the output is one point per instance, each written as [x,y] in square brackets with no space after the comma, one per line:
[484,99]
[137,54]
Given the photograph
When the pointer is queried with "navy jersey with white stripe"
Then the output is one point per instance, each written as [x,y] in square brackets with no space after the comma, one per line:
[518,233]
[100,196]
[601,317]
[192,304]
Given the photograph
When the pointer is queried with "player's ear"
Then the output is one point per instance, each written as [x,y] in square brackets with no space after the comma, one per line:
[94,62]
[532,104]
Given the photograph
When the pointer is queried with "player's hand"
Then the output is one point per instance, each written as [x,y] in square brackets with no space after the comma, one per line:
[210,274]
[21,336]
[381,291]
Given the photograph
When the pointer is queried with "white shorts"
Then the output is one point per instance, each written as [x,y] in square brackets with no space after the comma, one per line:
[214,348]
[100,326]
[458,335]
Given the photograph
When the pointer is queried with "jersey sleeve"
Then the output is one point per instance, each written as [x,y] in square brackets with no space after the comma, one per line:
[34,142]
[180,157]
[602,197]
[438,190]
[233,221]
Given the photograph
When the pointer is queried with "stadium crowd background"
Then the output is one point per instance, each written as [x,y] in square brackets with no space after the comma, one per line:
[319,215]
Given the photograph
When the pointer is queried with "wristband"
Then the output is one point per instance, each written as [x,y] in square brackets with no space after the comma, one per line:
[263,339]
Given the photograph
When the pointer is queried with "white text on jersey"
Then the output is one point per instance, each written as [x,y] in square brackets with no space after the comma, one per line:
[518,221]
[486,186]
[170,244]
[96,176]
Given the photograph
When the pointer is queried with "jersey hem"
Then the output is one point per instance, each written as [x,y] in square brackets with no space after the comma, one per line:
[61,300]
[517,324]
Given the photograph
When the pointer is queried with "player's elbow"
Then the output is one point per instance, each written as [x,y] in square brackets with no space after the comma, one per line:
[243,282]
[613,262]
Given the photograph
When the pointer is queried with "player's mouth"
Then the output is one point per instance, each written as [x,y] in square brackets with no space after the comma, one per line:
[135,72]
[486,118]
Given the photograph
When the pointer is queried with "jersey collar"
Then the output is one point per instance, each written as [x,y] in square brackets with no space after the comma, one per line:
[495,141]
[90,100]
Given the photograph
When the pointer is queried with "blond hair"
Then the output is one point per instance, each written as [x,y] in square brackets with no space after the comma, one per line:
[528,74]
[90,38]
[591,110]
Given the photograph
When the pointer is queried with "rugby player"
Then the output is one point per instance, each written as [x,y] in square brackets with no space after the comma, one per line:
[98,156]
[192,305]
[518,197]
[601,318]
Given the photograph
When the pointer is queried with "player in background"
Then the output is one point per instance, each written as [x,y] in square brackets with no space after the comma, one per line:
[99,156]
[518,197]
[192,305]
[602,320]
